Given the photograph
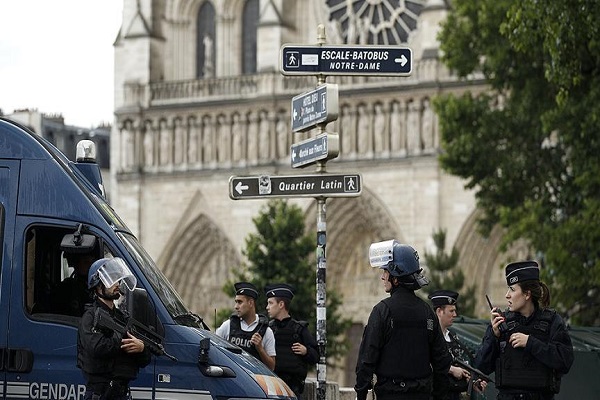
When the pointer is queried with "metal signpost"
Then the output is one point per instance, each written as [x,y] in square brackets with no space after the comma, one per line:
[324,146]
[346,60]
[318,106]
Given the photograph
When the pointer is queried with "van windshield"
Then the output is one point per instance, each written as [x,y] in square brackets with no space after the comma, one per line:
[167,294]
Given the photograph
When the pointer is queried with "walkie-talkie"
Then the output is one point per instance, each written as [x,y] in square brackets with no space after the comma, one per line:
[503,327]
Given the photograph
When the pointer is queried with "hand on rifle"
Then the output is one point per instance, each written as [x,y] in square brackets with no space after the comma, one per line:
[131,344]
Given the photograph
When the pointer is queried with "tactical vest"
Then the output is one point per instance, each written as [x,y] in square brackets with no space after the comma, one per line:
[518,370]
[288,363]
[242,338]
[406,354]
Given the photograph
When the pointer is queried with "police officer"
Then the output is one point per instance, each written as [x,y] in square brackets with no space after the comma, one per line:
[295,346]
[444,304]
[527,346]
[402,343]
[108,360]
[247,329]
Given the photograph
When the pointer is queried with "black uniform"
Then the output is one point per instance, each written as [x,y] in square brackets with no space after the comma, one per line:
[101,359]
[532,372]
[403,345]
[290,367]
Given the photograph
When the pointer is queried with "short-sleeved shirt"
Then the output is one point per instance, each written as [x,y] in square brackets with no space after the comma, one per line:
[268,341]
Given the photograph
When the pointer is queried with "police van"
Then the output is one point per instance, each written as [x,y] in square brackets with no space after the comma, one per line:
[48,202]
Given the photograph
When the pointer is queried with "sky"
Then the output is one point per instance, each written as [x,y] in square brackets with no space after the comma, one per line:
[57,56]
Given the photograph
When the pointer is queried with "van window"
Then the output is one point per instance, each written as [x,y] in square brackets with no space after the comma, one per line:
[55,281]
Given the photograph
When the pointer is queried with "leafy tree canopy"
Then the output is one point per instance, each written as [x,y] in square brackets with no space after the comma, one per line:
[529,145]
[280,252]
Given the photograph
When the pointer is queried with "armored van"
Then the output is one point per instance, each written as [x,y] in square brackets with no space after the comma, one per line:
[50,205]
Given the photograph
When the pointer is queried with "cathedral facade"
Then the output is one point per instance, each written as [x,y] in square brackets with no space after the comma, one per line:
[199,98]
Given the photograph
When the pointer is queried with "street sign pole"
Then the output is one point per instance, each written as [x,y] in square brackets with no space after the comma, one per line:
[322,259]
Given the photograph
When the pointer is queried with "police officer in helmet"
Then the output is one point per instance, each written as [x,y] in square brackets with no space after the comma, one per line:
[402,343]
[108,360]
[528,346]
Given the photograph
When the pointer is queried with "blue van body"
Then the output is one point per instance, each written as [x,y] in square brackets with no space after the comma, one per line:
[43,195]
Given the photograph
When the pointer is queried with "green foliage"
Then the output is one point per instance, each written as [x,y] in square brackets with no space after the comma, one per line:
[443,274]
[280,252]
[529,145]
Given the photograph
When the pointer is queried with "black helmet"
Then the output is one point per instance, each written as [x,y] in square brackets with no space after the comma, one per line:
[400,260]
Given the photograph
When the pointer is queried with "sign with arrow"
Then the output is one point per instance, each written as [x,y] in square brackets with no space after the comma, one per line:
[324,146]
[316,185]
[315,107]
[346,60]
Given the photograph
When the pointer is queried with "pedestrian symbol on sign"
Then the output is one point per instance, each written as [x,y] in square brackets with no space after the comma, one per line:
[292,59]
[350,184]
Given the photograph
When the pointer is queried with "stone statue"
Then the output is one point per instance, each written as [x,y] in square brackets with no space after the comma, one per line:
[207,140]
[347,133]
[397,130]
[264,139]
[379,130]
[165,143]
[178,148]
[208,56]
[428,127]
[237,132]
[128,144]
[224,139]
[148,144]
[281,129]
[193,141]
[364,131]
[413,133]
[252,138]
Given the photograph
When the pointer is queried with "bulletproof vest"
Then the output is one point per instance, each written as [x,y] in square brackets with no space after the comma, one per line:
[516,369]
[406,353]
[242,338]
[288,363]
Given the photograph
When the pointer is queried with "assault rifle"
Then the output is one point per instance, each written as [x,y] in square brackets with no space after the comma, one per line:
[475,374]
[103,320]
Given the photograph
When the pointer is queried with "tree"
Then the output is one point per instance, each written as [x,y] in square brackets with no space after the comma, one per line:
[529,145]
[443,274]
[280,253]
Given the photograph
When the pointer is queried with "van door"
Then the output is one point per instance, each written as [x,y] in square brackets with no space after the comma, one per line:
[43,343]
[9,170]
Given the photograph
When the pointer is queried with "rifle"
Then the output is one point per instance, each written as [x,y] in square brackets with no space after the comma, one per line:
[103,320]
[475,374]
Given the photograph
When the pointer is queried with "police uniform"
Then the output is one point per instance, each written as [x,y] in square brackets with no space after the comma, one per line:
[100,357]
[441,298]
[403,345]
[238,332]
[532,372]
[291,367]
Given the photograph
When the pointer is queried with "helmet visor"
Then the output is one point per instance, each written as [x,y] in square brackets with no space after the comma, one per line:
[381,253]
[114,271]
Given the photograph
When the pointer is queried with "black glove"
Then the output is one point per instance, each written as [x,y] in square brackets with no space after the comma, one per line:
[362,395]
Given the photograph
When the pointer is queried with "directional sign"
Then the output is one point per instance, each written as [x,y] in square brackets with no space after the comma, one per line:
[318,185]
[346,60]
[315,107]
[322,147]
